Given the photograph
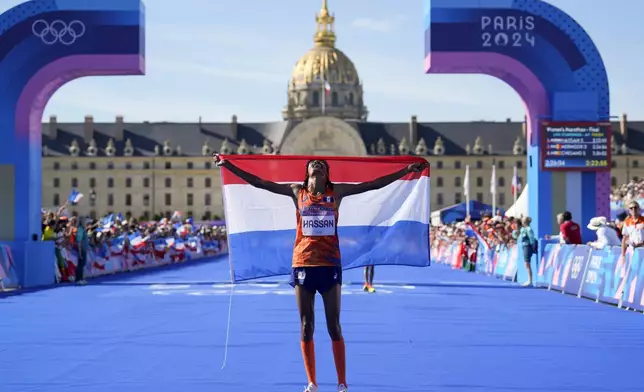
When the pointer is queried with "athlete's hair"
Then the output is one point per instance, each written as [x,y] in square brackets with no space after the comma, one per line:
[329,184]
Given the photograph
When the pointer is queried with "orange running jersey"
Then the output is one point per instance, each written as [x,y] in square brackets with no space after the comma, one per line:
[316,239]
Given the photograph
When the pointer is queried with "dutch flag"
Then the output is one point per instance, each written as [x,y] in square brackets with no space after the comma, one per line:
[471,231]
[385,226]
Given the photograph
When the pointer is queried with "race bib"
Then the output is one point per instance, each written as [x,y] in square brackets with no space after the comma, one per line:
[318,225]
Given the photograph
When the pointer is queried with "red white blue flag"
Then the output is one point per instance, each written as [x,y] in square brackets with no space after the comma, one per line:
[388,226]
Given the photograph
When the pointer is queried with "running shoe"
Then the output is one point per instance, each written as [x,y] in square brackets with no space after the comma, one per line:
[371,289]
[365,287]
[342,388]
[312,388]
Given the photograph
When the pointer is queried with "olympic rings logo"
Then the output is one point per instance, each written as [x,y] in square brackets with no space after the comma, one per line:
[58,31]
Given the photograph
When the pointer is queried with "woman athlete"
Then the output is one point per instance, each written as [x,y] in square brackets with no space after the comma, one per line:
[316,254]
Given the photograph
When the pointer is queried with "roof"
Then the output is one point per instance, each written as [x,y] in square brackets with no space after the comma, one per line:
[190,137]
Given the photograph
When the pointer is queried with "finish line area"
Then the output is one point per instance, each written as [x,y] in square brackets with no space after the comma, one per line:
[426,329]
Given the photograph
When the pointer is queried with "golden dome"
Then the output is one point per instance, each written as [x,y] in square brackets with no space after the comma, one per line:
[324,62]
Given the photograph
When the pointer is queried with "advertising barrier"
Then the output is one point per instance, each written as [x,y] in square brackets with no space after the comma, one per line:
[117,256]
[601,275]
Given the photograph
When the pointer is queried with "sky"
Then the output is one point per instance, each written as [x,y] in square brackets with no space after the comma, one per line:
[214,59]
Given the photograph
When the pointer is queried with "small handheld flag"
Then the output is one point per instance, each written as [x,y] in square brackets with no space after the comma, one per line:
[75,197]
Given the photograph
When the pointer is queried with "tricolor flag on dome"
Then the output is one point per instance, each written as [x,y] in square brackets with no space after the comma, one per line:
[327,87]
[389,226]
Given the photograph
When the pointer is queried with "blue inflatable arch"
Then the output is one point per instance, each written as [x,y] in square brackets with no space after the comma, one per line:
[43,45]
[556,69]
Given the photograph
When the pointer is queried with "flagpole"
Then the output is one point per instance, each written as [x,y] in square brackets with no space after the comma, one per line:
[466,189]
[493,189]
[515,185]
[323,98]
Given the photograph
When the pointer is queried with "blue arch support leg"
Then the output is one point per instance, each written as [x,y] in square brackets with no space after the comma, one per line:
[556,69]
[43,45]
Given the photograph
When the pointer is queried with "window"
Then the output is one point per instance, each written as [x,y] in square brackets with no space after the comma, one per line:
[56,182]
[168,165]
[457,182]
[519,164]
[168,199]
[110,182]
[439,182]
[92,182]
[479,164]
[74,166]
[110,165]
[74,182]
[636,178]
[334,99]
[501,182]
[56,199]
[457,165]
[636,163]
[479,197]
[56,166]
[146,165]
[190,165]
[208,182]
[208,165]
[439,199]
[168,182]
[501,199]
[146,215]
[457,197]
[439,164]
[207,199]
[316,99]
[146,200]
[92,214]
[128,199]
[128,183]
[190,199]
[92,165]
[128,165]
[501,164]
[189,214]
[613,181]
[479,181]
[146,182]
[613,164]
[189,183]
[110,199]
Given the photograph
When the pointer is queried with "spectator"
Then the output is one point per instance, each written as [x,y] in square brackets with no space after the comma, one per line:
[633,229]
[525,238]
[82,243]
[570,231]
[619,224]
[606,235]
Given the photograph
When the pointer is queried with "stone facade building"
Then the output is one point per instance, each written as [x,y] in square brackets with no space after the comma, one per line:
[148,169]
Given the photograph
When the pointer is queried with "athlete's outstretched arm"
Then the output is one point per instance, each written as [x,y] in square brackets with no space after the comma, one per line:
[280,189]
[343,190]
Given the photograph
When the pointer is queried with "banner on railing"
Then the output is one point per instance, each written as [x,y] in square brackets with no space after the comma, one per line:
[8,275]
[122,255]
[602,275]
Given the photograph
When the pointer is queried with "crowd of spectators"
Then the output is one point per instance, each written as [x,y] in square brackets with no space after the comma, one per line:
[632,190]
[81,233]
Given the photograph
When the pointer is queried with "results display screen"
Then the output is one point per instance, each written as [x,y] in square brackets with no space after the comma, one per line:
[576,146]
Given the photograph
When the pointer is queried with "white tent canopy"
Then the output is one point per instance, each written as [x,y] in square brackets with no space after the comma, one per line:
[520,208]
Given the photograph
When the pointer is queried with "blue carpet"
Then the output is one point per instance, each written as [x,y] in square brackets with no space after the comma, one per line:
[427,329]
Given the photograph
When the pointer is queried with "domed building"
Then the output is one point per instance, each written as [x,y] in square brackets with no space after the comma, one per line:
[156,168]
[325,81]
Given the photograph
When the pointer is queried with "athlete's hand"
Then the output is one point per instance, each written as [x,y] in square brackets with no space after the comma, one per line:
[219,161]
[417,167]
